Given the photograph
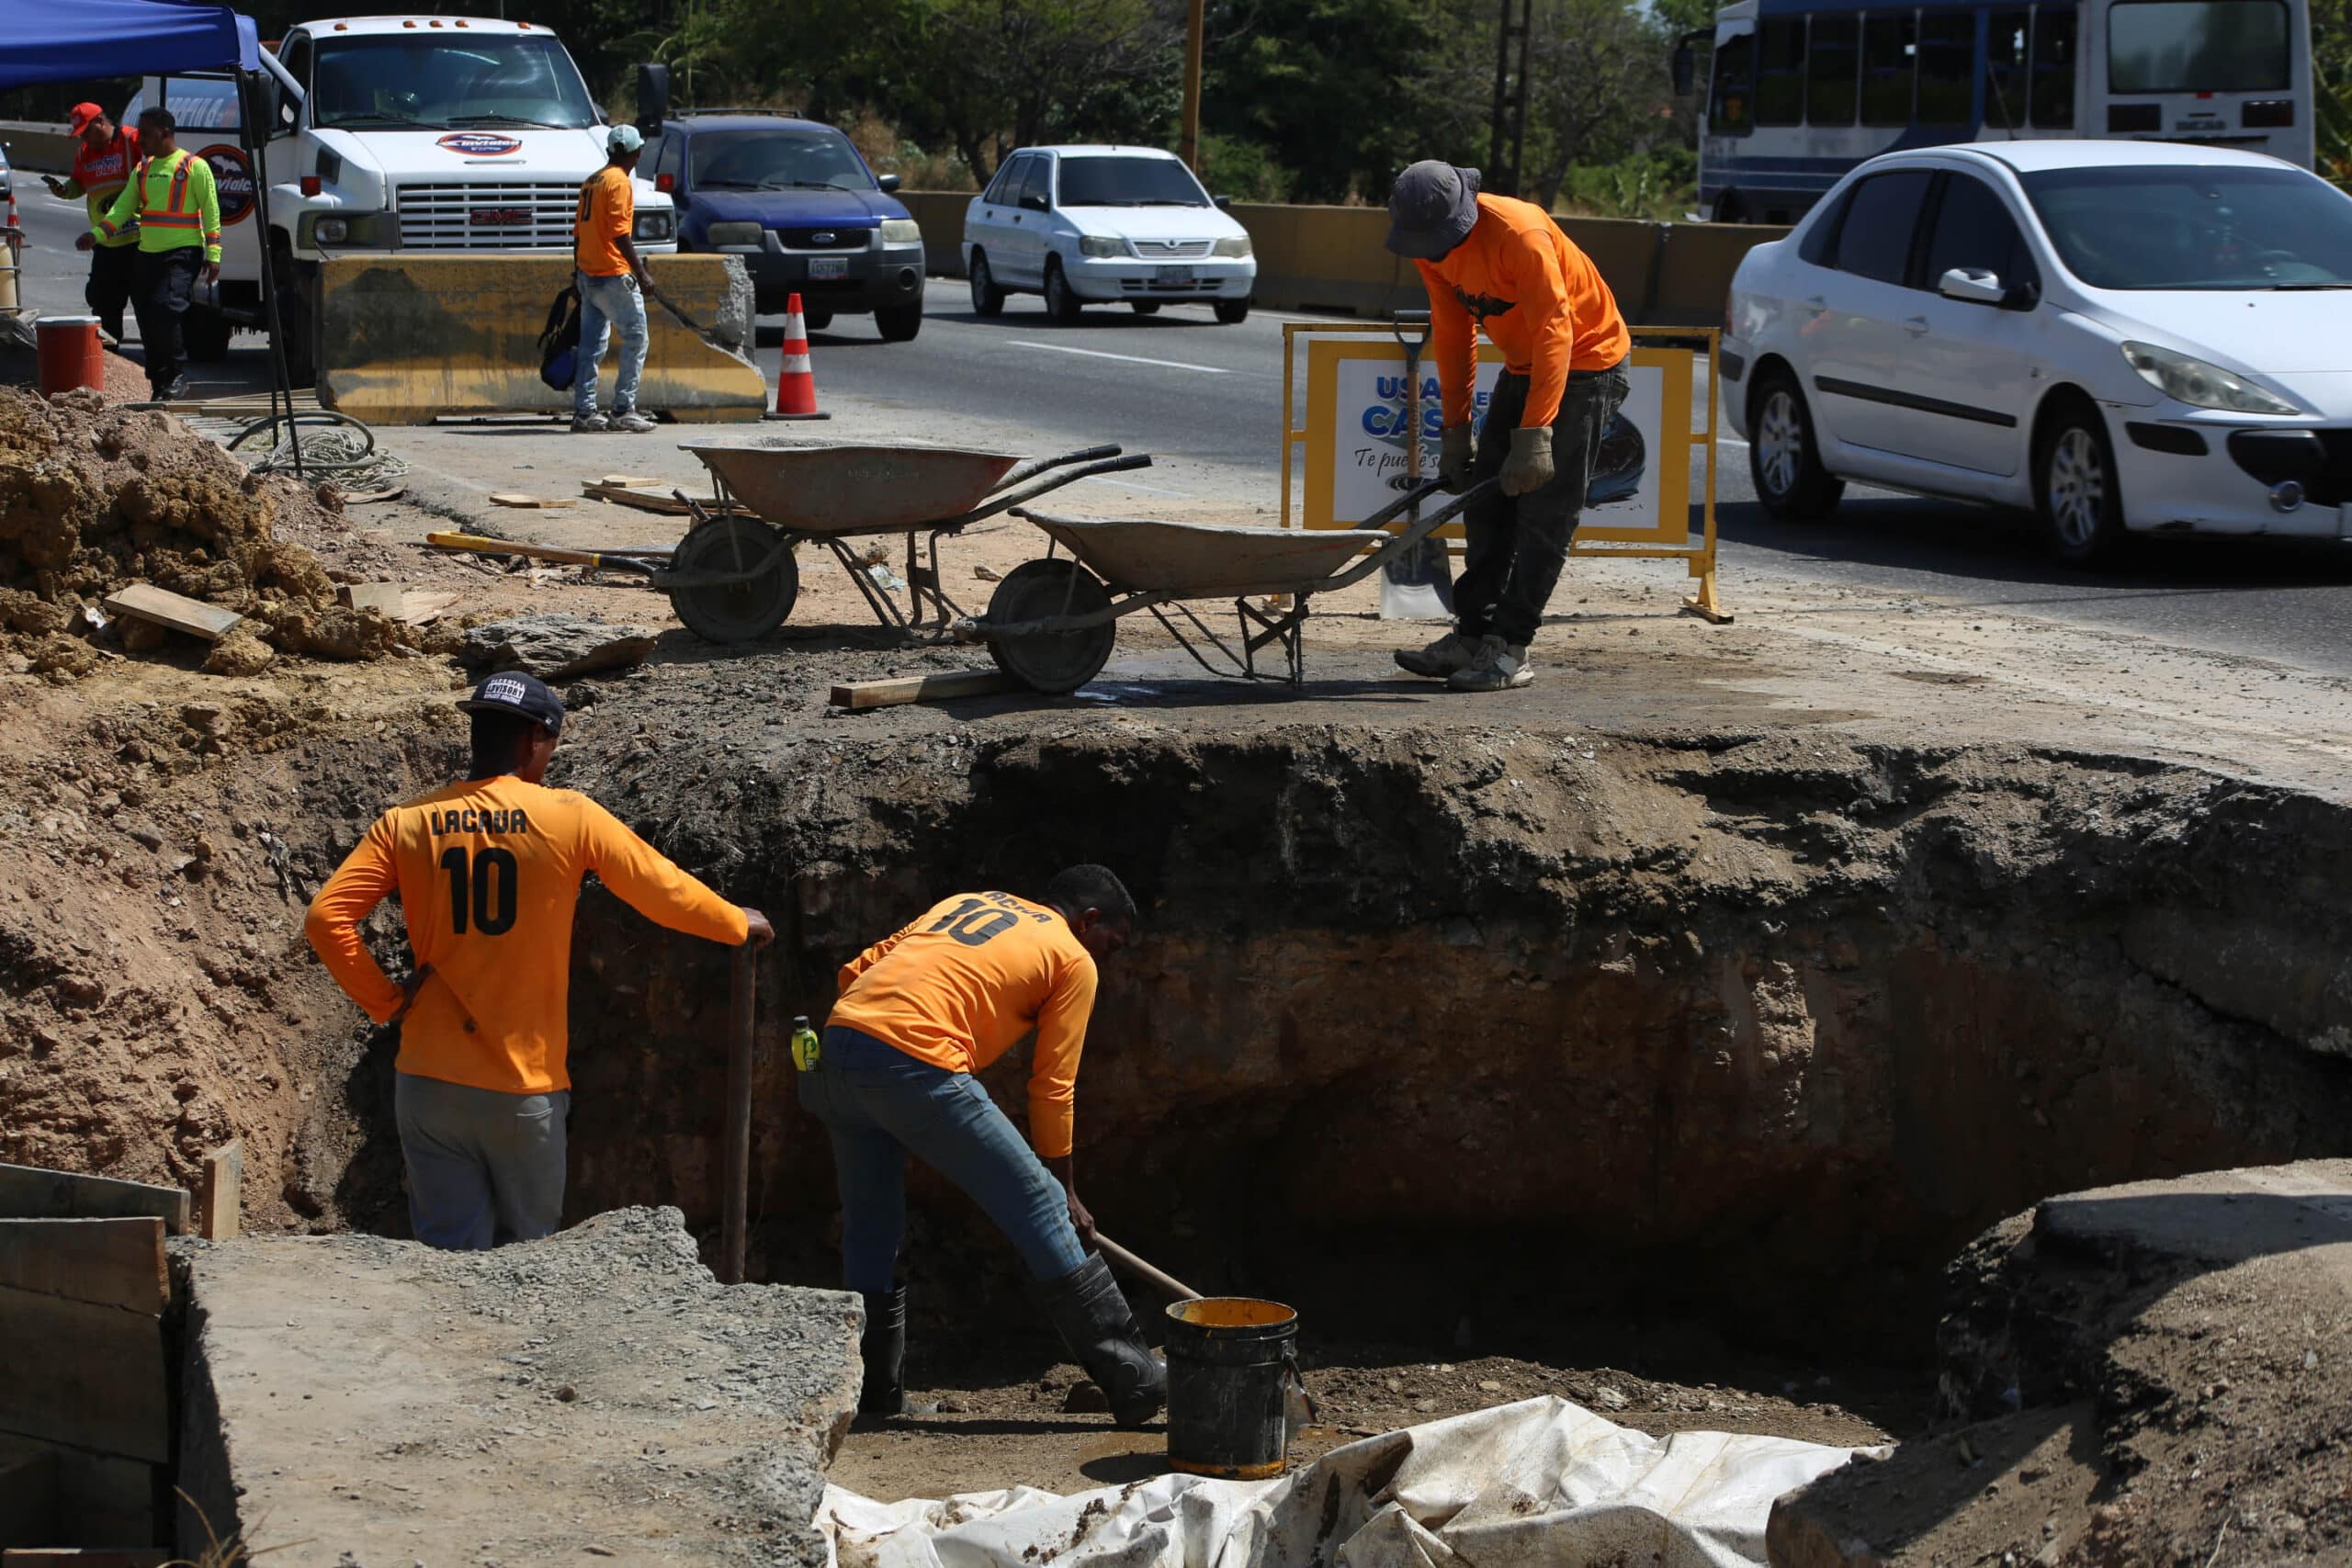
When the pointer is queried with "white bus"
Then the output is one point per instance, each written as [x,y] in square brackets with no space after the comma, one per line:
[1800,91]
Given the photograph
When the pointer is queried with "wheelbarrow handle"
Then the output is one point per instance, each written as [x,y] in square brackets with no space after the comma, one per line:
[1021,494]
[1036,465]
[1419,529]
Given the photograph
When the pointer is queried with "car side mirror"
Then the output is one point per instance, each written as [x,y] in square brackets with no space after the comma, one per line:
[1975,285]
[1223,203]
[888,183]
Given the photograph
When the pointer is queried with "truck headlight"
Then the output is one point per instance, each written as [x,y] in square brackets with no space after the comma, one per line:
[330,231]
[658,225]
[901,231]
[373,230]
[1238,247]
[722,235]
[1095,245]
[2199,384]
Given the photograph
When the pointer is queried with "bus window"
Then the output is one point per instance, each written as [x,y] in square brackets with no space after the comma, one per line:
[2053,67]
[1729,112]
[2004,69]
[1780,71]
[1947,67]
[2200,46]
[1889,48]
[1830,70]
[1874,241]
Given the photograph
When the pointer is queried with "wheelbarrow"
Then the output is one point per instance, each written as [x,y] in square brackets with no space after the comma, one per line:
[735,575]
[1052,623]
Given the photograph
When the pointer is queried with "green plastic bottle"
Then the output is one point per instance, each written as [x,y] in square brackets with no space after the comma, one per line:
[805,1049]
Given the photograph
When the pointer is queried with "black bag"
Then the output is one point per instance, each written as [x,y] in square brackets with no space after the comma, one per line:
[559,342]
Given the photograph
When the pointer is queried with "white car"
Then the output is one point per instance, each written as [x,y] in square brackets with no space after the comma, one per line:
[2122,335]
[1096,225]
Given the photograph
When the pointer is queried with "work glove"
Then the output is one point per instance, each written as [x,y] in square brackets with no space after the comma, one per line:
[1454,456]
[1529,467]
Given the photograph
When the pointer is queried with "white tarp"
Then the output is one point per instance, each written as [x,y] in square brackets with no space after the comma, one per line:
[1542,1482]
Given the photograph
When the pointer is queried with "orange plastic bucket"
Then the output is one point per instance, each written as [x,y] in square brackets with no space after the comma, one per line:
[70,354]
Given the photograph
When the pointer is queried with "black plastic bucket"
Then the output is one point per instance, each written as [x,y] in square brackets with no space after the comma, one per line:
[1228,1357]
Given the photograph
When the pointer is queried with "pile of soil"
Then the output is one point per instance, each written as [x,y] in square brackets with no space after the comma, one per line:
[93,498]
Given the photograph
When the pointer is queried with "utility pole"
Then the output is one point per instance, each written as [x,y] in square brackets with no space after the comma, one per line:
[1189,143]
[1507,132]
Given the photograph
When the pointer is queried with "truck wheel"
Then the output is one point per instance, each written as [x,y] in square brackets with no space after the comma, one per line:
[899,322]
[1061,302]
[297,317]
[205,334]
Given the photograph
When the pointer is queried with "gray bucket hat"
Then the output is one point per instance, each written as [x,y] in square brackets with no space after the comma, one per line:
[1432,210]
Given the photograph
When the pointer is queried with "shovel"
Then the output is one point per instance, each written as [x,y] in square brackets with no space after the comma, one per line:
[708,336]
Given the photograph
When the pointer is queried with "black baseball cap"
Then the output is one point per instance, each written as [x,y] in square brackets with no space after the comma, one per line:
[1432,210]
[511,691]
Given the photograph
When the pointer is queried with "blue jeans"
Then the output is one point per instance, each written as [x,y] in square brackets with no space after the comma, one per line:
[605,303]
[880,1104]
[484,1169]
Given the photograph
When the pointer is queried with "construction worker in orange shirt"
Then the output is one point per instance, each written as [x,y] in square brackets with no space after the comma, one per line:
[919,1014]
[1502,266]
[488,871]
[104,155]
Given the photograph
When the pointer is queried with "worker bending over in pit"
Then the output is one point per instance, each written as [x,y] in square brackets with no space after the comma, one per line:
[919,1014]
[488,871]
[1494,264]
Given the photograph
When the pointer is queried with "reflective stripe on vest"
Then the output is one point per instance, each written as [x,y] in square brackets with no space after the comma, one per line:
[175,214]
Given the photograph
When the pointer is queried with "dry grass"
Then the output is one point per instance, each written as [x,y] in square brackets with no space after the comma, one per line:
[219,1554]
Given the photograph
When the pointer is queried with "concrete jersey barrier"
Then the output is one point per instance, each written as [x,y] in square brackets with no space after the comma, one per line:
[1333,258]
[38,149]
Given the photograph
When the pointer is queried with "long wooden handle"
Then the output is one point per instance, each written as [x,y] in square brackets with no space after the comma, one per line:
[478,545]
[1168,1284]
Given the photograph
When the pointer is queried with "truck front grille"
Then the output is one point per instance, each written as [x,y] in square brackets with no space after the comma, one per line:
[487,217]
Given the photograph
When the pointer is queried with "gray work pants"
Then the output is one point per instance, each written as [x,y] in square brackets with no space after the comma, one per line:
[484,1169]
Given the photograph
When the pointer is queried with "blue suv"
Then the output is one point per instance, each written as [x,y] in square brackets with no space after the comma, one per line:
[797,202]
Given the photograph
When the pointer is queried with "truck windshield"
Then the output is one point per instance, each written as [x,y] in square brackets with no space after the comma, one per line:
[2196,227]
[774,158]
[1129,182]
[438,82]
[2197,46]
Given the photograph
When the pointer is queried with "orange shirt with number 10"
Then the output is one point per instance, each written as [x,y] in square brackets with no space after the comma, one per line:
[972,975]
[488,871]
[607,213]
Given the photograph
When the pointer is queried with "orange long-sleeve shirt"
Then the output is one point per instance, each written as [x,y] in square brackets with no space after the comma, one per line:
[1540,301]
[488,871]
[972,975]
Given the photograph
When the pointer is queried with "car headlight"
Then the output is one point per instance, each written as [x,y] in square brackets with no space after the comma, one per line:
[724,234]
[2200,385]
[658,225]
[901,231]
[1095,245]
[1238,247]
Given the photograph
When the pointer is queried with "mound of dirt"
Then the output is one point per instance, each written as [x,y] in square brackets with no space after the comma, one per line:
[94,497]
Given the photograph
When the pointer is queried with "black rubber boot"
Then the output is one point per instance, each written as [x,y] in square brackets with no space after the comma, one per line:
[1093,1316]
[883,1348]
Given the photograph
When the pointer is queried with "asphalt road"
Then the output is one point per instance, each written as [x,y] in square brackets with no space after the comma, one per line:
[1181,385]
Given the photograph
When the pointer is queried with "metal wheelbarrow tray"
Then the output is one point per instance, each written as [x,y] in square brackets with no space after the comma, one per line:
[735,576]
[1052,623]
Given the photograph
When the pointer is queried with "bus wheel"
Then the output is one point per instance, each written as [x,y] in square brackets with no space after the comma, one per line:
[1783,456]
[1728,208]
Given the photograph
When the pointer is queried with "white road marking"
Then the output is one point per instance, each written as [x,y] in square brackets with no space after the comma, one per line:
[1130,358]
[1125,483]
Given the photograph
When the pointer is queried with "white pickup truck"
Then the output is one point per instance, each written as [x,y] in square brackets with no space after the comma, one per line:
[394,133]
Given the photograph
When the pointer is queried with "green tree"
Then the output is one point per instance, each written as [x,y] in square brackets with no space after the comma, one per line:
[1598,88]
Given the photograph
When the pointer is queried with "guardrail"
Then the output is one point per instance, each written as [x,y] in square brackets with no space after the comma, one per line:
[1333,258]
[41,149]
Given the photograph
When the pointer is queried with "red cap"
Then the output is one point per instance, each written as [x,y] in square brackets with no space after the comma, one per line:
[81,116]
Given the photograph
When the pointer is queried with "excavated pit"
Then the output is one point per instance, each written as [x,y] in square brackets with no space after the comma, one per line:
[1455,1036]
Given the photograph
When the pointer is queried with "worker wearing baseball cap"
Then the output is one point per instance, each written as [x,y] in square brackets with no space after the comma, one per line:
[610,277]
[104,155]
[1503,266]
[488,871]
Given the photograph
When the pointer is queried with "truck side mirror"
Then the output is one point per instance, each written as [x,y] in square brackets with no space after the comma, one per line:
[652,96]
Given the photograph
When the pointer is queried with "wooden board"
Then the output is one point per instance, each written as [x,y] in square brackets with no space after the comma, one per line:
[660,501]
[627,481]
[174,612]
[28,1492]
[221,1204]
[89,1376]
[84,1557]
[28,1192]
[859,695]
[382,597]
[421,605]
[110,1263]
[513,498]
[101,1500]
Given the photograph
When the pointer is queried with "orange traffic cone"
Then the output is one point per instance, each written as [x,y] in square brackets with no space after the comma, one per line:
[796,384]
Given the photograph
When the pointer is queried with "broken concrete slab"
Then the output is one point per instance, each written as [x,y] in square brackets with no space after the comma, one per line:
[555,647]
[356,1399]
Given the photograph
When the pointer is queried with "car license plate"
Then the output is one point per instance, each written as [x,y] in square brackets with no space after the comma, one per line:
[828,266]
[1175,275]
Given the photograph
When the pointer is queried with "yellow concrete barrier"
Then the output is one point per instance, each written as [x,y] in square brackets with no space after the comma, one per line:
[405,338]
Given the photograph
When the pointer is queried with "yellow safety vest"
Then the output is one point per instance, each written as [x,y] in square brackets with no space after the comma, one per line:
[176,203]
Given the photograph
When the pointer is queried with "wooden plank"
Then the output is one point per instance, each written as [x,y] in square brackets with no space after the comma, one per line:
[859,695]
[28,1192]
[110,1263]
[382,597]
[627,481]
[515,498]
[173,612]
[224,1193]
[84,1557]
[90,1376]
[28,1492]
[421,605]
[101,1500]
[660,501]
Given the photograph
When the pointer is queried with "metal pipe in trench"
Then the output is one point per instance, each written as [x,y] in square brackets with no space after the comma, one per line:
[735,1200]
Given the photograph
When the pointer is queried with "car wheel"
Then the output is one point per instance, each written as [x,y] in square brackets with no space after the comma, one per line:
[1061,304]
[1783,456]
[816,321]
[899,322]
[2074,485]
[988,300]
[1144,307]
[1233,312]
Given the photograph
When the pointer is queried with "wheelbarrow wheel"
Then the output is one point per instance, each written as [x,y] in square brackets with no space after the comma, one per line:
[734,611]
[1059,662]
